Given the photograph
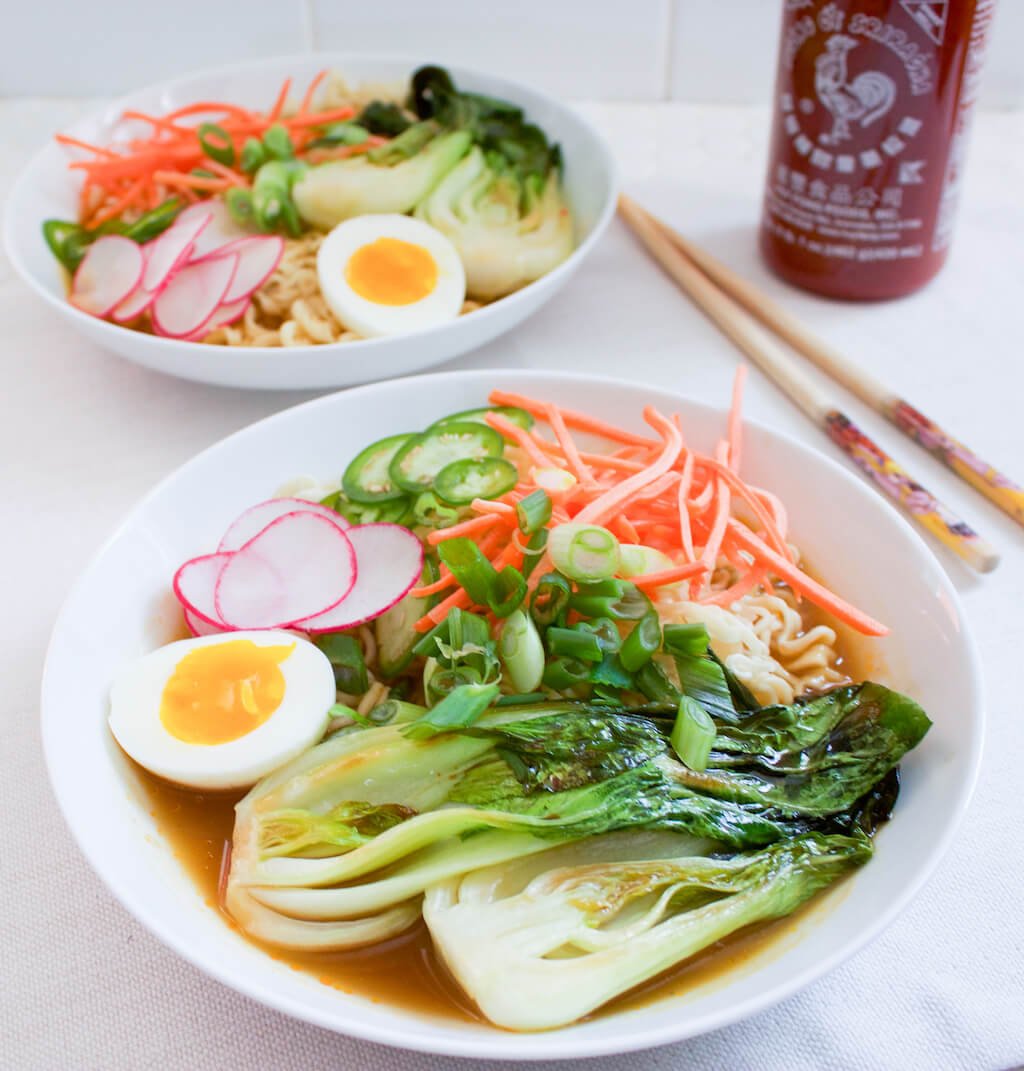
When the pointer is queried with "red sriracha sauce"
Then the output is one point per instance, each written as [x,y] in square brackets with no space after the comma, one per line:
[871,113]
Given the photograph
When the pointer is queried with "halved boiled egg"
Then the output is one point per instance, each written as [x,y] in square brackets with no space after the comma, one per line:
[389,275]
[222,711]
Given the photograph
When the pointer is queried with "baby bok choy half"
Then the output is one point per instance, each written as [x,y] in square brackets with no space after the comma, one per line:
[559,852]
[502,204]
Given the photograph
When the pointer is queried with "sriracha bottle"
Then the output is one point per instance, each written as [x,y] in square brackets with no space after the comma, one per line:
[871,113]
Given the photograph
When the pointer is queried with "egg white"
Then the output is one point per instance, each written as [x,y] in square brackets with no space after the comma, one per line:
[369,318]
[297,724]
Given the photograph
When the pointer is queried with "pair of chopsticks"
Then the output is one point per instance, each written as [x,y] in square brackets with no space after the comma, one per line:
[736,307]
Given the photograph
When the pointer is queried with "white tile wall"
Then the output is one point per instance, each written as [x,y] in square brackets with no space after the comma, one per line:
[59,48]
[694,50]
[594,49]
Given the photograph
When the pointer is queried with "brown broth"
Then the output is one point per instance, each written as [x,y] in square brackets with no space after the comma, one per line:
[406,971]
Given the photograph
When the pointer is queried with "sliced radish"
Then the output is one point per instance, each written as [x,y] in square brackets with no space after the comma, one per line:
[197,626]
[257,259]
[390,560]
[221,315]
[195,587]
[192,296]
[256,518]
[227,313]
[299,566]
[109,272]
[220,229]
[172,249]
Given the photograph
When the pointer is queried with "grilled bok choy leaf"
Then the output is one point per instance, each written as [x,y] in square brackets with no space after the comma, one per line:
[335,849]
[539,948]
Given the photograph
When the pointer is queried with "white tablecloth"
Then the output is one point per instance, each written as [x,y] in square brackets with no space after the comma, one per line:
[83,435]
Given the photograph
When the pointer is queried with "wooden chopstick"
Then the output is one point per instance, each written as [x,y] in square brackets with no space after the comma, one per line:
[780,366]
[957,457]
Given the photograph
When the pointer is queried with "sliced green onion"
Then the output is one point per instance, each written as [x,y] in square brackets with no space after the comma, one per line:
[573,643]
[217,144]
[534,551]
[554,480]
[521,699]
[240,206]
[637,560]
[509,591]
[341,134]
[550,600]
[471,569]
[278,143]
[693,734]
[521,652]
[458,710]
[396,712]
[702,679]
[652,682]
[688,640]
[352,716]
[254,156]
[584,552]
[533,512]
[606,632]
[640,645]
[562,673]
[617,599]
[346,657]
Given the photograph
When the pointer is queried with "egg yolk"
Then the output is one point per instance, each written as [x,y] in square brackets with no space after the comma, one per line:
[391,272]
[221,692]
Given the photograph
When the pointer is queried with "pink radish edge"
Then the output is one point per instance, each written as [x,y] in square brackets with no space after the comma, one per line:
[199,286]
[256,518]
[258,257]
[204,570]
[379,564]
[197,626]
[110,271]
[170,250]
[275,556]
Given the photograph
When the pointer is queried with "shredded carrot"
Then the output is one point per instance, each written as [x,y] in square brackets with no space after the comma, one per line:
[735,431]
[146,170]
[619,495]
[446,581]
[683,491]
[307,98]
[464,528]
[800,581]
[440,611]
[727,473]
[669,576]
[521,438]
[746,583]
[565,441]
[574,419]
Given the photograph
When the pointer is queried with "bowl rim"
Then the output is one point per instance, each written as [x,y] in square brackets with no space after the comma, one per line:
[501,1044]
[331,60]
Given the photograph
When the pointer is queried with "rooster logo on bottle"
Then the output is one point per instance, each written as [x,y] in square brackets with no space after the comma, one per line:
[863,100]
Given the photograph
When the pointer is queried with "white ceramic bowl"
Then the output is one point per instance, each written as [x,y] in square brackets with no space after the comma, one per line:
[122,607]
[46,190]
